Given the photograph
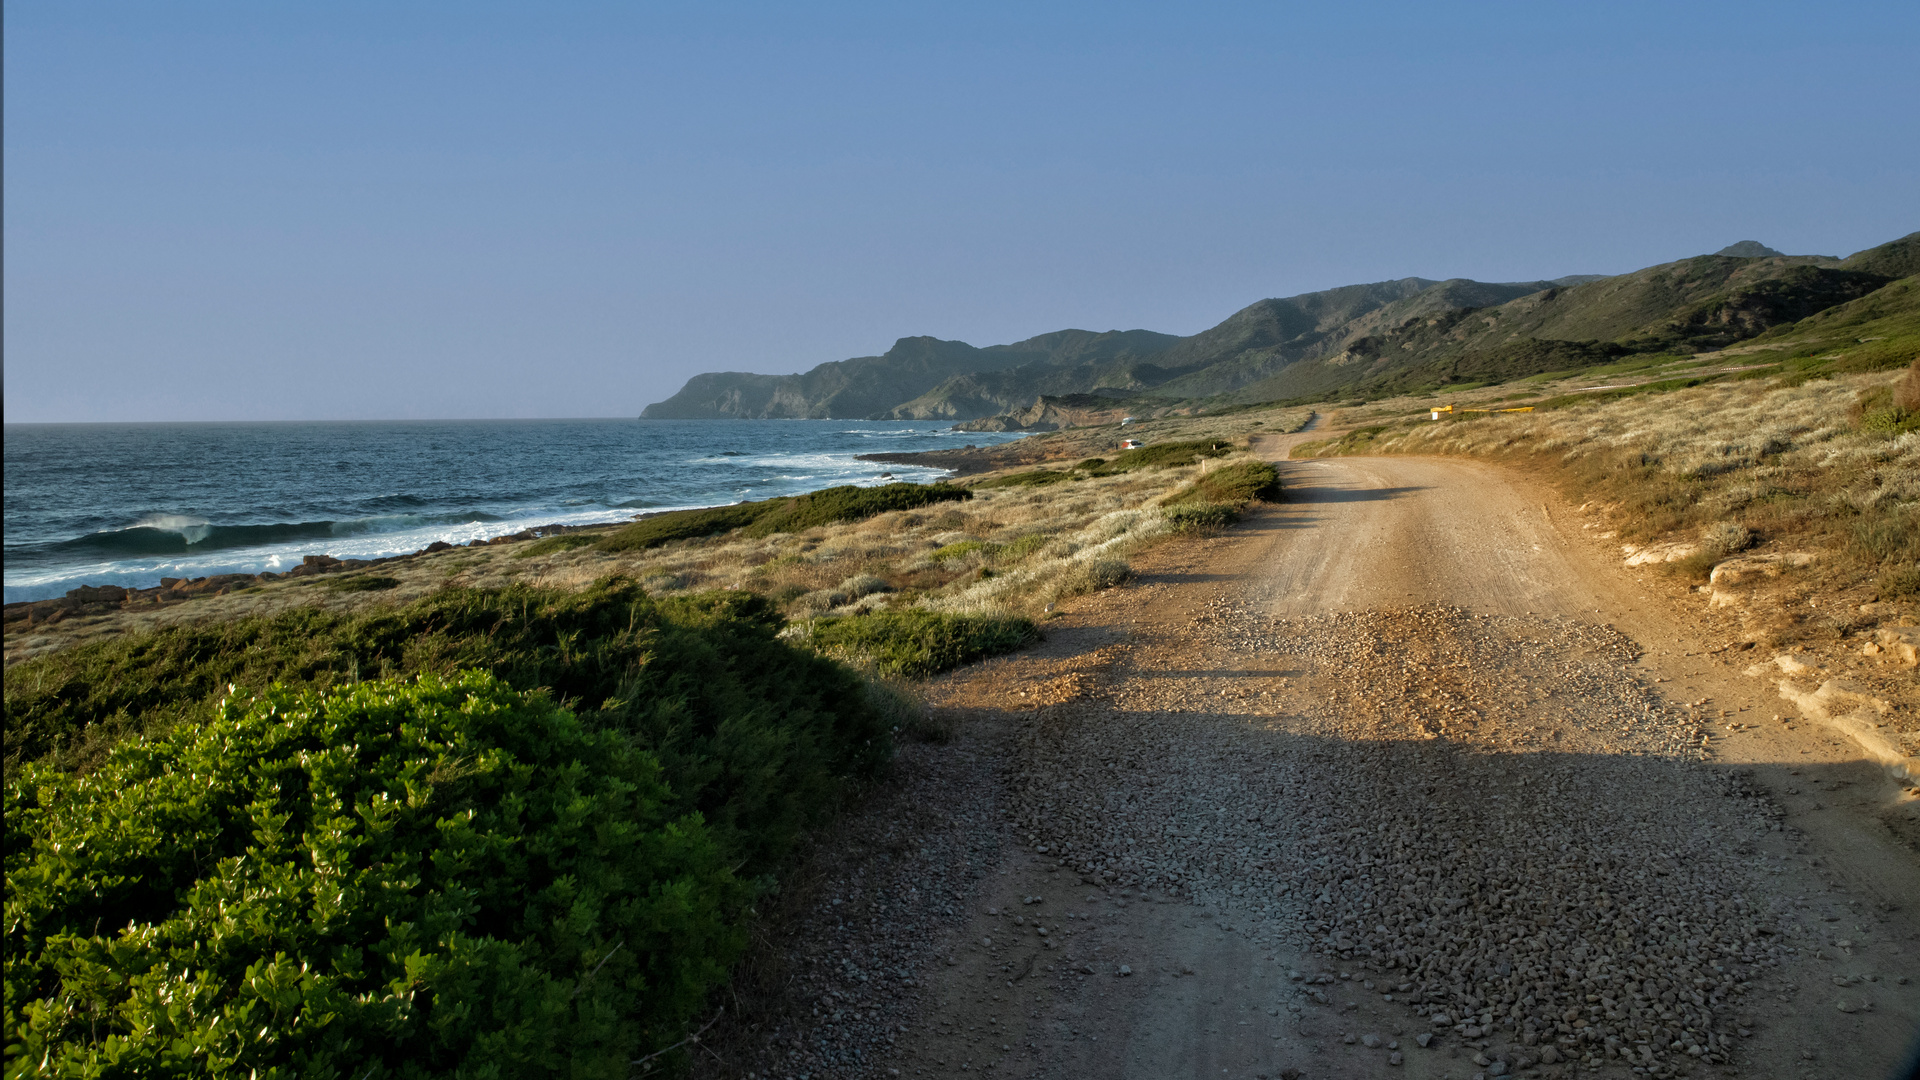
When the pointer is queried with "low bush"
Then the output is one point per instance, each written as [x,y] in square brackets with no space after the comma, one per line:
[1563,401]
[1888,538]
[1094,575]
[363,583]
[1725,538]
[1718,542]
[960,549]
[919,643]
[827,506]
[1021,547]
[553,545]
[1161,456]
[1036,478]
[1880,409]
[674,525]
[1201,516]
[1233,485]
[396,879]
[848,503]
[757,736]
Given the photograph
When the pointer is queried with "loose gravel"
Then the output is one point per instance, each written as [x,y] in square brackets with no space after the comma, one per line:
[1495,826]
[848,946]
[1492,820]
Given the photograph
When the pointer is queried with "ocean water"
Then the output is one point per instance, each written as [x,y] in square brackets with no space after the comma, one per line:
[128,504]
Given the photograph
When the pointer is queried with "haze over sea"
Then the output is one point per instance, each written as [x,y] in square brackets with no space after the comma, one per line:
[129,504]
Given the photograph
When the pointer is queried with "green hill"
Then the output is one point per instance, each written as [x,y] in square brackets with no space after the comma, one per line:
[1390,336]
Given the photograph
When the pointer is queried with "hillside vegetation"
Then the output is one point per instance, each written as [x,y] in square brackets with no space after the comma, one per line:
[515,823]
[528,847]
[1372,341]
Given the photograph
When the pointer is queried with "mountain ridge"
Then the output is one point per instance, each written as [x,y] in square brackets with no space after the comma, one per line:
[1353,336]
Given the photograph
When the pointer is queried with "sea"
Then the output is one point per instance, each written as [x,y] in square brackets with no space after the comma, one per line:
[129,504]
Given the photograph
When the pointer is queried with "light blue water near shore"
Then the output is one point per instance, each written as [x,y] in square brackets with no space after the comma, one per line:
[128,504]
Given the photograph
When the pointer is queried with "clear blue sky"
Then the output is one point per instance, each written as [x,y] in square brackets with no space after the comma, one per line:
[344,210]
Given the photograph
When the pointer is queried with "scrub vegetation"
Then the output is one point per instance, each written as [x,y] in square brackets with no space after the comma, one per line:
[400,878]
[499,807]
[429,870]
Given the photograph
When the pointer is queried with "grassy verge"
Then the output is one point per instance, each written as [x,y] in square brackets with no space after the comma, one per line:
[918,643]
[1232,485]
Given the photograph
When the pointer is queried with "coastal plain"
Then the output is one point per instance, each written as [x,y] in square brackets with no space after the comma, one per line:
[1558,724]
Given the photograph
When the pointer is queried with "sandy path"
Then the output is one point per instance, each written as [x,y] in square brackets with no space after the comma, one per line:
[1410,731]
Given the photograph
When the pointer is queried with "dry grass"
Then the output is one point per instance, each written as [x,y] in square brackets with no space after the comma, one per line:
[1729,465]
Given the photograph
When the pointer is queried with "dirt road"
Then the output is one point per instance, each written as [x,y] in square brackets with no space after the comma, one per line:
[1400,777]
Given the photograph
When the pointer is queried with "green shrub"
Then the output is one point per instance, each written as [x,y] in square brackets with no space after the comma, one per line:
[1233,485]
[1090,464]
[1021,547]
[1661,386]
[1193,517]
[363,583]
[397,879]
[553,545]
[1891,422]
[1036,478]
[756,735]
[673,525]
[848,503]
[1162,456]
[917,643]
[824,507]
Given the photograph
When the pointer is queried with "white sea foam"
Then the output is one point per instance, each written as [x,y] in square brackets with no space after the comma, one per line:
[392,488]
[193,529]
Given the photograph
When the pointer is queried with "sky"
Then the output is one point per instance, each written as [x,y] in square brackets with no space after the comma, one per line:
[356,210]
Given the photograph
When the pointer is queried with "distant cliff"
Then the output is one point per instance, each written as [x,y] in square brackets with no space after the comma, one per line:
[873,386]
[1380,337]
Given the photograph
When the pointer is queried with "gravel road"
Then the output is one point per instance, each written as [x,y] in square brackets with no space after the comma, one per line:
[1400,778]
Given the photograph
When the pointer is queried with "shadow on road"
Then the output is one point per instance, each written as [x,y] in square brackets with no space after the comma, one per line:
[1348,495]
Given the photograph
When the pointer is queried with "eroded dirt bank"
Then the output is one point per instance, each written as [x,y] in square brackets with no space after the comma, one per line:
[1402,777]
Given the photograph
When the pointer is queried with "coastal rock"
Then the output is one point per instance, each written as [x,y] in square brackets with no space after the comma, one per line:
[1658,553]
[1748,569]
[1896,645]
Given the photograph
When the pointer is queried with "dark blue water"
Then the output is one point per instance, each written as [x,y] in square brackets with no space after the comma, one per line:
[128,504]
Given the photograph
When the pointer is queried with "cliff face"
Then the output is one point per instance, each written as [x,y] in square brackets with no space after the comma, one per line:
[845,389]
[1383,335]
[878,386]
